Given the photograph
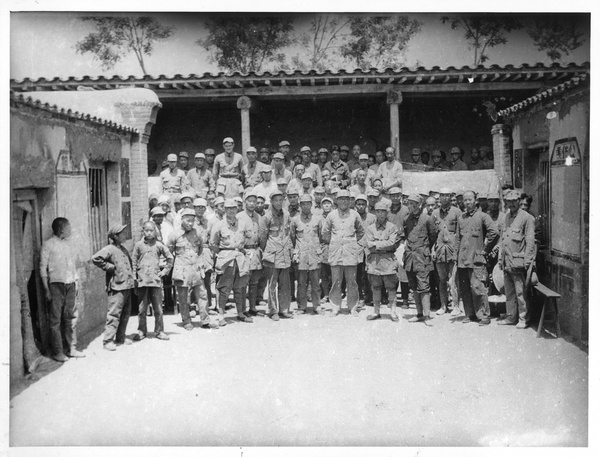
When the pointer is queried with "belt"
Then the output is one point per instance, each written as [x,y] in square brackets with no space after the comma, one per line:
[251,246]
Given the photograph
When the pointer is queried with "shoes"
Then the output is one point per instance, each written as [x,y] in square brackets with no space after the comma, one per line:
[404,306]
[318,310]
[506,322]
[209,325]
[372,317]
[455,312]
[441,311]
[417,319]
[274,316]
[334,312]
[162,336]
[245,319]
[300,311]
[286,315]
[60,358]
[360,305]
[139,336]
[394,318]
[428,321]
[468,320]
[222,323]
[522,325]
[188,327]
[355,311]
[126,342]
[254,312]
[325,299]
[110,346]
[76,354]
[485,321]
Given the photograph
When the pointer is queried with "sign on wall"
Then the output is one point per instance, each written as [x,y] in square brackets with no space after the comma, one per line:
[565,153]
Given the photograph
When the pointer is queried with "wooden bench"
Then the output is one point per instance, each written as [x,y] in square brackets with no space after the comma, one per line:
[549,299]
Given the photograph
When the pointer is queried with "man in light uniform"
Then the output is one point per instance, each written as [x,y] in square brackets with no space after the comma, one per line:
[361,186]
[200,177]
[184,161]
[311,168]
[367,219]
[390,171]
[227,170]
[173,180]
[338,169]
[363,164]
[456,163]
[251,171]
[267,186]
[279,169]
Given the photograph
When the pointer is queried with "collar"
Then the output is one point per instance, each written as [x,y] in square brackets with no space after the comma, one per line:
[380,224]
[277,213]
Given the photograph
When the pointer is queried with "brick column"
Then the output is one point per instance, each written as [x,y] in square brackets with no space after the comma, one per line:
[501,138]
[244,104]
[394,98]
[141,115]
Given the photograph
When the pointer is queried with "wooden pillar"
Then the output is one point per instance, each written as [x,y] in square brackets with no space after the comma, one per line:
[501,139]
[244,103]
[394,98]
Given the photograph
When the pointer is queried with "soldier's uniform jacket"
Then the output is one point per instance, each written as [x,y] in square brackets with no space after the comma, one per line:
[367,219]
[305,232]
[174,182]
[420,233]
[252,242]
[368,181]
[339,169]
[116,262]
[315,172]
[284,173]
[227,240]
[398,216]
[383,240]
[459,165]
[390,174]
[201,227]
[476,234]
[446,222]
[324,245]
[343,232]
[228,166]
[187,248]
[275,241]
[517,241]
[146,262]
[253,176]
[201,181]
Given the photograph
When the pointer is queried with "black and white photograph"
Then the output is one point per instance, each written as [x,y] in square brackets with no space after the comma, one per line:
[329,229]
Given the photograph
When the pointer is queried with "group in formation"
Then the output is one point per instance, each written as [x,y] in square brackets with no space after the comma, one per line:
[313,228]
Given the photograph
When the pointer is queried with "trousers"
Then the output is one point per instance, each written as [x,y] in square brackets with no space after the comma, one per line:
[231,279]
[472,290]
[119,310]
[279,289]
[391,285]
[62,317]
[338,274]
[364,287]
[516,306]
[304,276]
[253,287]
[184,304]
[146,296]
[325,279]
[447,275]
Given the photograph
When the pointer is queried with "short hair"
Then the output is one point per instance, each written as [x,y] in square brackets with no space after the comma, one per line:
[375,180]
[470,192]
[59,224]
[527,197]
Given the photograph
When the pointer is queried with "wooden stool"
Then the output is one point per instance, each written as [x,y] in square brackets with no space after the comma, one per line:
[549,298]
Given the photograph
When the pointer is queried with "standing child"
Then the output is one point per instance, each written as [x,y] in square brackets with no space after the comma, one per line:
[115,260]
[147,269]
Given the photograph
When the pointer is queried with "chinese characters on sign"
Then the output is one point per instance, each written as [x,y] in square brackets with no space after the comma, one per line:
[566,153]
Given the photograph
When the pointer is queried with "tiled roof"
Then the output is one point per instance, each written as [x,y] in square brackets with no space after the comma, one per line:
[236,80]
[18,99]
[545,95]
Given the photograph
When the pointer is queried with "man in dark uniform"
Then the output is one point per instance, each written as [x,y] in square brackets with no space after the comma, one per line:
[184,160]
[456,163]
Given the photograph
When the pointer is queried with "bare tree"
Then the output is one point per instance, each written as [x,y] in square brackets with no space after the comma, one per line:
[556,35]
[118,36]
[483,31]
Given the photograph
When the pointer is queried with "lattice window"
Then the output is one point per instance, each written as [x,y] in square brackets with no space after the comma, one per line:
[98,207]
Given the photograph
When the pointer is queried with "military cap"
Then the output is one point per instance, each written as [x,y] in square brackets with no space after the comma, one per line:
[415,152]
[361,197]
[381,205]
[261,197]
[305,148]
[200,202]
[372,193]
[199,155]
[172,157]
[445,190]
[353,195]
[187,212]
[363,157]
[414,198]
[164,164]
[164,198]
[209,152]
[319,190]
[323,150]
[187,195]
[493,196]
[395,190]
[307,176]
[228,140]
[344,148]
[343,194]
[335,190]
[251,149]
[184,154]
[177,198]
[482,195]
[266,169]
[327,199]
[230,203]
[116,229]
[279,155]
[292,191]
[284,143]
[436,153]
[275,193]
[485,149]
[264,150]
[157,210]
[512,195]
[305,198]
[250,192]
[281,181]
[219,200]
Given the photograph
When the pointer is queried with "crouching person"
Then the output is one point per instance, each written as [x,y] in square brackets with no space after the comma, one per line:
[186,246]
[146,255]
[381,243]
[116,262]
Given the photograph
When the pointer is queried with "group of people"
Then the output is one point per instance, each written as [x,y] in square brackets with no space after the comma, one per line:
[307,232]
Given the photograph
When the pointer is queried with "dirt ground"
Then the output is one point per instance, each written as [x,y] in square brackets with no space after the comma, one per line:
[314,380]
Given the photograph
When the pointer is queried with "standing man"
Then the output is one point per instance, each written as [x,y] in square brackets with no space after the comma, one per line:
[343,230]
[338,169]
[420,233]
[265,188]
[251,172]
[361,186]
[353,161]
[437,164]
[284,149]
[363,164]
[381,243]
[390,171]
[276,245]
[476,235]
[326,206]
[323,158]
[379,159]
[517,247]
[60,280]
[314,158]
[311,168]
[173,180]
[227,241]
[456,163]
[250,220]
[476,162]
[210,158]
[227,170]
[307,185]
[184,161]
[201,179]
[305,231]
[344,154]
[487,157]
[364,288]
[279,169]
[446,219]
[264,156]
[416,164]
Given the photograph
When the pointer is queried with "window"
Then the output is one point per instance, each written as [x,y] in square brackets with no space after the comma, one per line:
[543,198]
[98,207]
